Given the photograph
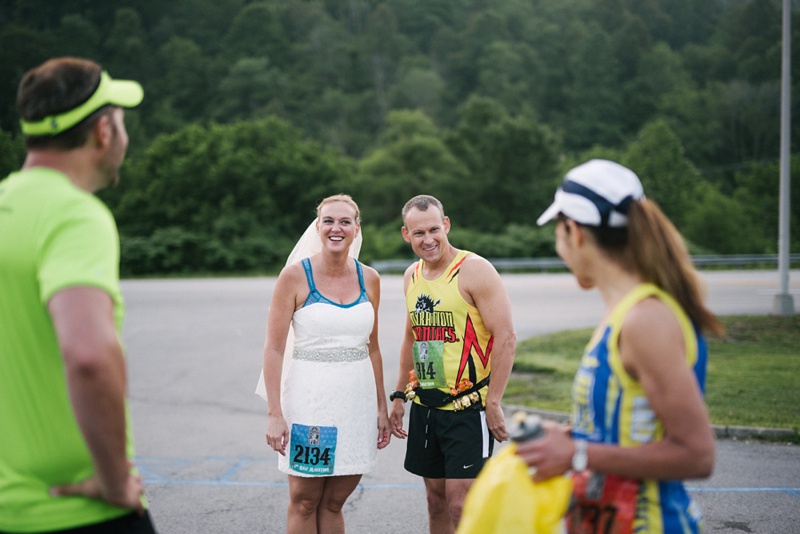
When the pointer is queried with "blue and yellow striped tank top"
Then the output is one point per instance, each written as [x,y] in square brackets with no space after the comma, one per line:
[609,406]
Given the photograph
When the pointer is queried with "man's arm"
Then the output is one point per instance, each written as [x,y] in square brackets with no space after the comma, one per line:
[95,373]
[480,280]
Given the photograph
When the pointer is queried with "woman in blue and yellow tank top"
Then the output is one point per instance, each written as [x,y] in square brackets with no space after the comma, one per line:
[639,424]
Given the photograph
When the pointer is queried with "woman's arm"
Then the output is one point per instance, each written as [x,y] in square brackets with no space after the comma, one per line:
[373,283]
[653,352]
[281,310]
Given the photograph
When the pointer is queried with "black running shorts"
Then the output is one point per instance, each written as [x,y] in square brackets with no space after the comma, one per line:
[447,443]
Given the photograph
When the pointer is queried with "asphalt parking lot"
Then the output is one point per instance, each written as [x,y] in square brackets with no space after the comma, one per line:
[194,355]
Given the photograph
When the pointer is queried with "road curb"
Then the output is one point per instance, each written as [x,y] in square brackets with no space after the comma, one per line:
[746,432]
[721,432]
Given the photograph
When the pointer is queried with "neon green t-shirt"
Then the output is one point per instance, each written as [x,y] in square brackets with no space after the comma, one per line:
[53,235]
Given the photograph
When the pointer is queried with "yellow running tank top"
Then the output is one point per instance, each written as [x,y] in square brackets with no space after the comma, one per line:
[451,341]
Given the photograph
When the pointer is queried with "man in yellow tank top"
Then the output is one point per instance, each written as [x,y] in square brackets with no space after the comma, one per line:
[455,361]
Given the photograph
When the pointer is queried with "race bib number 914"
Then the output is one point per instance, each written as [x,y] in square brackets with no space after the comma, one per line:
[429,364]
[313,449]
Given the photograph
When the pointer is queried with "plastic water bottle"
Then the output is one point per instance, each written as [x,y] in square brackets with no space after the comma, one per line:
[526,427]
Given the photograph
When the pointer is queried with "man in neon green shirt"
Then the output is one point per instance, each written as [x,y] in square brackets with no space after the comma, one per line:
[65,446]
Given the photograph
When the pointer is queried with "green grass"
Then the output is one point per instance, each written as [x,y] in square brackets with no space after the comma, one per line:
[753,373]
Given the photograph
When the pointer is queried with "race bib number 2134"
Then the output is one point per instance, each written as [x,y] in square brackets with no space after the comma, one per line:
[313,449]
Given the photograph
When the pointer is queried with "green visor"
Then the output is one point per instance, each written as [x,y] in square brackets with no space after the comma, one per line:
[123,93]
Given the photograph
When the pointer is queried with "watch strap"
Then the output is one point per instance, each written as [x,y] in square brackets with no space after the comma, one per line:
[580,458]
[397,395]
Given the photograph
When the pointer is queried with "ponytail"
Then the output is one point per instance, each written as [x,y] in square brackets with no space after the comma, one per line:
[653,248]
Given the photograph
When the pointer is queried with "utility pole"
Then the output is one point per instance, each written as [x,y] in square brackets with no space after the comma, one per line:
[784,303]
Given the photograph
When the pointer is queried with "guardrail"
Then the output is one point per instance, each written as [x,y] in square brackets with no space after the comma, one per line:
[549,264]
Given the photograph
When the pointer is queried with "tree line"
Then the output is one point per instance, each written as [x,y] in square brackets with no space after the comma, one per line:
[255,110]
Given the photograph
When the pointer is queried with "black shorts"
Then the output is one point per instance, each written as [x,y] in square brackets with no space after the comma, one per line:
[132,523]
[447,443]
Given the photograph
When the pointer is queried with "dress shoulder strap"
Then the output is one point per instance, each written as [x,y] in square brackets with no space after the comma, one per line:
[360,275]
[309,275]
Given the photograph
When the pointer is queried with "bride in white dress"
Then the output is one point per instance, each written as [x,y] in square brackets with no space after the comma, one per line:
[328,415]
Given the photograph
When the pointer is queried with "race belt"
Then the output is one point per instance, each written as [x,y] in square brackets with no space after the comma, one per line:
[464,396]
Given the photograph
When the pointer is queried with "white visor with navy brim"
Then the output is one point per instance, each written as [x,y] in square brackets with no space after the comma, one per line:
[597,193]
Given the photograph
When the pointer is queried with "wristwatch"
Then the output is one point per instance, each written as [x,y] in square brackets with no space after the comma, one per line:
[397,395]
[579,459]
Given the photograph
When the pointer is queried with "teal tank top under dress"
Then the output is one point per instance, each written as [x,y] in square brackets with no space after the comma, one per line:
[315,296]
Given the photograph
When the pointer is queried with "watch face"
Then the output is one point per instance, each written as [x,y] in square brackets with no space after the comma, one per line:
[579,462]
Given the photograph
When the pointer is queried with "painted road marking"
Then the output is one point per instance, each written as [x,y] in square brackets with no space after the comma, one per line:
[179,472]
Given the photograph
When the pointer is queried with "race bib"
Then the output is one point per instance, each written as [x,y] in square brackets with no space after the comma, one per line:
[602,504]
[313,449]
[429,364]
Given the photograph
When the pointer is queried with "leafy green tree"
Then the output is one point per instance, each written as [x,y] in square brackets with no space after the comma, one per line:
[421,20]
[660,73]
[482,29]
[607,14]
[656,16]
[593,107]
[352,13]
[512,164]
[383,242]
[257,31]
[78,36]
[419,88]
[12,153]
[385,47]
[445,47]
[228,191]
[750,121]
[506,73]
[410,159]
[185,84]
[126,46]
[718,224]
[21,48]
[696,117]
[629,42]
[203,22]
[692,21]
[758,192]
[593,71]
[514,241]
[707,63]
[596,152]
[324,52]
[752,30]
[657,157]
[251,89]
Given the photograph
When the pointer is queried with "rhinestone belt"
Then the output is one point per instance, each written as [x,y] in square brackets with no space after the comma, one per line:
[331,355]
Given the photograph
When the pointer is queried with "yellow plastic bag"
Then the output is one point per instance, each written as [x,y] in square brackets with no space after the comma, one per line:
[504,499]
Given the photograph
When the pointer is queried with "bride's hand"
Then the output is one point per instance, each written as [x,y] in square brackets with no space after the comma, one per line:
[277,434]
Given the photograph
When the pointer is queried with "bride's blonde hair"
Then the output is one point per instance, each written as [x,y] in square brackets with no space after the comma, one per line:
[341,197]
